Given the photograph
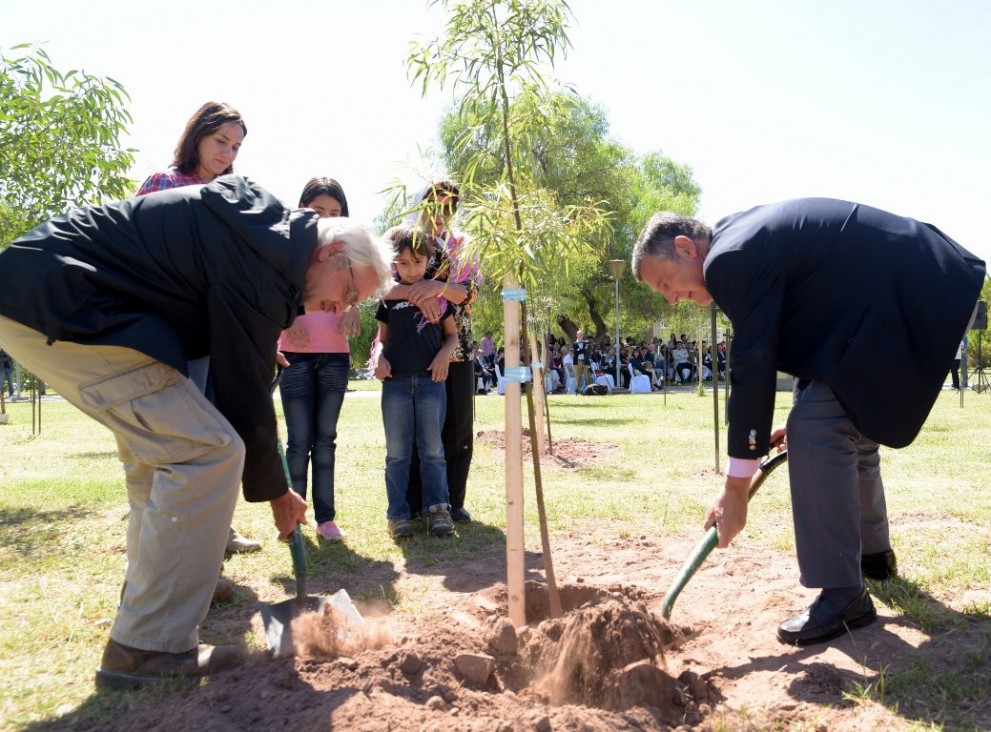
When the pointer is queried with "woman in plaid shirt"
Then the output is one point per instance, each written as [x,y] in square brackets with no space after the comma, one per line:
[452,280]
[207,149]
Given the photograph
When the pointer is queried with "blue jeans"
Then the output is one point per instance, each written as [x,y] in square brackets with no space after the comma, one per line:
[413,409]
[312,391]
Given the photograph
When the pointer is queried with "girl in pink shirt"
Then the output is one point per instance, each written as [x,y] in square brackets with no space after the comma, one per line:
[313,383]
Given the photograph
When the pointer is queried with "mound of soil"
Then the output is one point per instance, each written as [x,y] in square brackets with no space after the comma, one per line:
[608,663]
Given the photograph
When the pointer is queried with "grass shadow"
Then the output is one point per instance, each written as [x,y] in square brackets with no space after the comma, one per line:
[465,561]
[28,530]
[332,566]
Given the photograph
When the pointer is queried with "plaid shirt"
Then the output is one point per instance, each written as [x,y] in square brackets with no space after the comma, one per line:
[448,265]
[171,178]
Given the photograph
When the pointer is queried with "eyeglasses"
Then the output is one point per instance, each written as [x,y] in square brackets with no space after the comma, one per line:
[352,296]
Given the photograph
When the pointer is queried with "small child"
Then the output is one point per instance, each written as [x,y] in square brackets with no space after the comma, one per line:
[412,366]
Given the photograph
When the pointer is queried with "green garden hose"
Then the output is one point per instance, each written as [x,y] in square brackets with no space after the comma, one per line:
[711,538]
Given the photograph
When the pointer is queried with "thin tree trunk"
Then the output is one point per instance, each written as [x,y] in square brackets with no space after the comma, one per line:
[554,597]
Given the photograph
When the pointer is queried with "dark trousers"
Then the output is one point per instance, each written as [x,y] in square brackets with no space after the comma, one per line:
[458,436]
[837,495]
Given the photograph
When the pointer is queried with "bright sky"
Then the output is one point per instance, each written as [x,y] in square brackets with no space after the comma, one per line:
[885,102]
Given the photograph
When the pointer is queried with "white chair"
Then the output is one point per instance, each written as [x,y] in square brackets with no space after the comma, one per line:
[606,380]
[500,380]
[639,383]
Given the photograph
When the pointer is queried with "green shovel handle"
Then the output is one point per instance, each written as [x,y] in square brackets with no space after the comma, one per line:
[298,561]
[296,546]
[704,548]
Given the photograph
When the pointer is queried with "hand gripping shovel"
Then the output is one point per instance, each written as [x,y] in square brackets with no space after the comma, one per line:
[278,617]
[704,548]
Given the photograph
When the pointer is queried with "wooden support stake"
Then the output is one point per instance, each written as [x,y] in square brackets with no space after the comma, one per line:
[514,464]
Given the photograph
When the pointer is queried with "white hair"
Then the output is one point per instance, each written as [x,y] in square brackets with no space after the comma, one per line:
[361,247]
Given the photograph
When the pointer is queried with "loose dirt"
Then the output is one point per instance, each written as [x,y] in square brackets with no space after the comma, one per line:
[609,663]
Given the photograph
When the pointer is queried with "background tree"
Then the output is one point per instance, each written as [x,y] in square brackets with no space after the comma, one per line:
[59,140]
[978,342]
[571,154]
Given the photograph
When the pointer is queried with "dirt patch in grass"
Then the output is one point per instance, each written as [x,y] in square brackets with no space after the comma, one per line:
[610,663]
[569,453]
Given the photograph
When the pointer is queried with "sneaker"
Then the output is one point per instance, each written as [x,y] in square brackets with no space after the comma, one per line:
[460,515]
[439,521]
[124,667]
[237,544]
[400,528]
[329,531]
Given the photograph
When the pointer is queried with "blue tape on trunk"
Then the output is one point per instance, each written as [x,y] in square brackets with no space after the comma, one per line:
[517,374]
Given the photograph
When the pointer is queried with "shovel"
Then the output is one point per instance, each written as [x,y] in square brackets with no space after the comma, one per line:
[277,617]
[704,548]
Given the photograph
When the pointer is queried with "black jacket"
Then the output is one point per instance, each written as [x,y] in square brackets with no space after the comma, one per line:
[213,270]
[871,303]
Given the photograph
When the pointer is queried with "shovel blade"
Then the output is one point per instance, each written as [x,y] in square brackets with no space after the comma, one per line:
[278,618]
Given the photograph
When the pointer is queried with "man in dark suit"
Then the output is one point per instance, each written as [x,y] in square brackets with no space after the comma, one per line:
[827,291]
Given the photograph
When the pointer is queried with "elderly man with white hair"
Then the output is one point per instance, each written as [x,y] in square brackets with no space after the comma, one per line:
[108,304]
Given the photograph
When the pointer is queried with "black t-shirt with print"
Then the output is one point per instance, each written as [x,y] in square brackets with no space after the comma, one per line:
[413,341]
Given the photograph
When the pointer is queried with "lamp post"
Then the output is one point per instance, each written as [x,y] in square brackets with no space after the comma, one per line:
[616,270]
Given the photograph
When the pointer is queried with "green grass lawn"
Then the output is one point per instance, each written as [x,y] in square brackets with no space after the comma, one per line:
[64,516]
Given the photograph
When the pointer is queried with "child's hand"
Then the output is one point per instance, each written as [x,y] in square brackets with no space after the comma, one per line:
[439,366]
[383,369]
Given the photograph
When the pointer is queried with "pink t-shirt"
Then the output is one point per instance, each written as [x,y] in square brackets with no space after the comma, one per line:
[314,332]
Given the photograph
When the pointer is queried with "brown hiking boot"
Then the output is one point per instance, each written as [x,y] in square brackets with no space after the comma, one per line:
[237,544]
[439,521]
[222,592]
[124,667]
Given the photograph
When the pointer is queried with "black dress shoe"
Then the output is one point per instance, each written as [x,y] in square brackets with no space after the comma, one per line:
[880,566]
[824,620]
[460,515]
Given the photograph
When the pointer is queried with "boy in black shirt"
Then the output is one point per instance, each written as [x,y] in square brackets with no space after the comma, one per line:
[413,365]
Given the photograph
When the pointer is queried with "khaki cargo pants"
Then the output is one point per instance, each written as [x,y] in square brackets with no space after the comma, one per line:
[183,463]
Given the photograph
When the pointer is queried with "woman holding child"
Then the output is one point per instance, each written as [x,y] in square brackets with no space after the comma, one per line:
[454,278]
[413,364]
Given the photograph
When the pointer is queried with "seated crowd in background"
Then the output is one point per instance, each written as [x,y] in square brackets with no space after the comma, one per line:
[672,362]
